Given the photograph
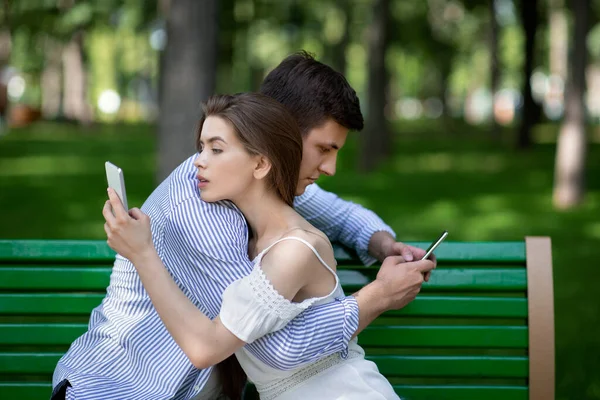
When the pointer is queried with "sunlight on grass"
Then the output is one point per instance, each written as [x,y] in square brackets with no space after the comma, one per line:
[445,162]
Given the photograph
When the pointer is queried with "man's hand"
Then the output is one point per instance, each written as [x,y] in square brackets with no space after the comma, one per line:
[383,245]
[398,282]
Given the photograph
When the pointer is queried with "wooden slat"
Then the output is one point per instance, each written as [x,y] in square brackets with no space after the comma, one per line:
[398,366]
[439,392]
[452,366]
[25,390]
[49,303]
[28,363]
[541,317]
[483,252]
[424,306]
[457,306]
[98,250]
[445,336]
[461,279]
[89,278]
[56,250]
[40,334]
[375,336]
[54,278]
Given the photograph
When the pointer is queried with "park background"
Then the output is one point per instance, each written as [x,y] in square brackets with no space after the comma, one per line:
[481,118]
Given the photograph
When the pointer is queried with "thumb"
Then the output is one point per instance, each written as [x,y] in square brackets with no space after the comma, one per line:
[404,251]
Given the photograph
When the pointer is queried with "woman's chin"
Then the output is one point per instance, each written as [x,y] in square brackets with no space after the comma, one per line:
[208,198]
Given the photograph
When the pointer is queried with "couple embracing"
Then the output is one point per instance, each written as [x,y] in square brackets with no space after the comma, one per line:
[227,272]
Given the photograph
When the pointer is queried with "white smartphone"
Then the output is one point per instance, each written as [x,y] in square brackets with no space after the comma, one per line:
[434,245]
[114,176]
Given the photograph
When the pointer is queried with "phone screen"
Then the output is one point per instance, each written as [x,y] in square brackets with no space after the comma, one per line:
[434,245]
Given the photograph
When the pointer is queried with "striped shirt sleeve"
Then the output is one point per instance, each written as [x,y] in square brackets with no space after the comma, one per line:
[341,220]
[317,332]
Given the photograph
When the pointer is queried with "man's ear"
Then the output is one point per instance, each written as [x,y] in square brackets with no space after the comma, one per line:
[262,168]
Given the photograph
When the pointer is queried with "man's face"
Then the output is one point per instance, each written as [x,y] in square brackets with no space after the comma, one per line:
[319,154]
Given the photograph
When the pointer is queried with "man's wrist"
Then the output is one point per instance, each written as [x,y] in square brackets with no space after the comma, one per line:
[380,244]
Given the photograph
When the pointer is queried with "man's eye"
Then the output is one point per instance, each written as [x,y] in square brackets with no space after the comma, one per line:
[325,150]
[217,151]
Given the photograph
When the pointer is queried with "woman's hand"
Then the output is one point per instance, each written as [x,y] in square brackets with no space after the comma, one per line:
[128,234]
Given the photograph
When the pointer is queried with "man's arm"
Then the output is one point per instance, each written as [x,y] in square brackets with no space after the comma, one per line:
[345,222]
[352,225]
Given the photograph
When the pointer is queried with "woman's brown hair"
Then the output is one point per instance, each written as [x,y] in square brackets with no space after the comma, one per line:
[265,127]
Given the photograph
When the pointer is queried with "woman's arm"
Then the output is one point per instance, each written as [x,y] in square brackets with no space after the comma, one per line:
[206,342]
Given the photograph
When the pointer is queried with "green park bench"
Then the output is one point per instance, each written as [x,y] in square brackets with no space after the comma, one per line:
[482,328]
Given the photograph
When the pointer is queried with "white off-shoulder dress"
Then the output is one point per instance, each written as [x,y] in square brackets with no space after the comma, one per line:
[252,308]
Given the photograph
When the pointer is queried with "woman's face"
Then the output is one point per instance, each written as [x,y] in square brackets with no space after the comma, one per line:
[225,169]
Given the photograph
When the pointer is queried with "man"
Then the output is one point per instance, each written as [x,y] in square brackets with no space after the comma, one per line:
[128,354]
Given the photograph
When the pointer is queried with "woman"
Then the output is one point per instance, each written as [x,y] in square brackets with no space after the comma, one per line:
[250,150]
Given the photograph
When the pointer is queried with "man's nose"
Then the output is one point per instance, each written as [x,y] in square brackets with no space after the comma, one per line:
[328,166]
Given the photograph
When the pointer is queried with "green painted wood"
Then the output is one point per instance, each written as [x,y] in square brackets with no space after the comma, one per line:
[448,251]
[49,303]
[54,278]
[448,392]
[98,250]
[445,336]
[425,306]
[56,250]
[25,390]
[374,336]
[452,366]
[397,366]
[40,334]
[457,306]
[28,363]
[97,278]
[461,279]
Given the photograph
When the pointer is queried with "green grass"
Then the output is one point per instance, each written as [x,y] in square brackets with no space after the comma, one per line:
[52,186]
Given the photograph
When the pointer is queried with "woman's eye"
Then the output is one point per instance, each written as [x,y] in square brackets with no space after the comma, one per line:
[217,151]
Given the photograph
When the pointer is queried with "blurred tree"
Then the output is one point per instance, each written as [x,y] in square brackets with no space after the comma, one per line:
[572,144]
[187,77]
[376,137]
[5,48]
[531,112]
[494,64]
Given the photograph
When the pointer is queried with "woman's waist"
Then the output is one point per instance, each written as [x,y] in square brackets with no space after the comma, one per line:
[271,388]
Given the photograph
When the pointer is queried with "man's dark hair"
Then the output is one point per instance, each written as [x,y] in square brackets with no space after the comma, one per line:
[313,92]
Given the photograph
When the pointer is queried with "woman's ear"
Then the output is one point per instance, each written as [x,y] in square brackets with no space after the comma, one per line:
[262,168]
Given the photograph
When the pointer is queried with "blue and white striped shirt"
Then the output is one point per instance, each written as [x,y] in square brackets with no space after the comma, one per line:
[127,353]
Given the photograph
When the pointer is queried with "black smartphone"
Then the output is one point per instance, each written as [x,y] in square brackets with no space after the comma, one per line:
[434,245]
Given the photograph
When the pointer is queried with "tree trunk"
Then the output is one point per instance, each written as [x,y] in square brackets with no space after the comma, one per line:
[529,19]
[188,73]
[571,151]
[494,65]
[50,80]
[376,139]
[75,105]
[5,51]
[338,50]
